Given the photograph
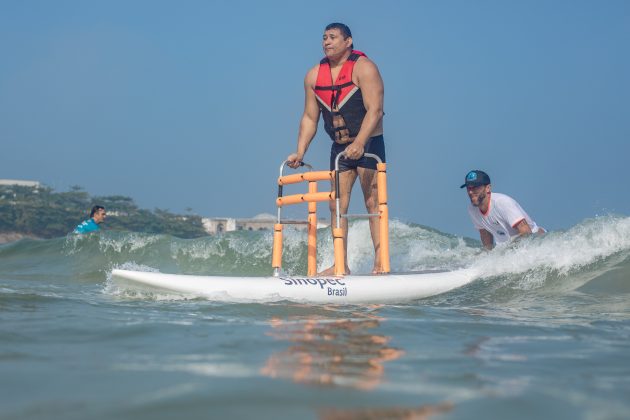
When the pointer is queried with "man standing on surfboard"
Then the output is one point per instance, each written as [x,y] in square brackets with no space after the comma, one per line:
[496,216]
[347,90]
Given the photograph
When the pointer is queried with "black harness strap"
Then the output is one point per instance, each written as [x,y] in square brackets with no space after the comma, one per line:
[334,87]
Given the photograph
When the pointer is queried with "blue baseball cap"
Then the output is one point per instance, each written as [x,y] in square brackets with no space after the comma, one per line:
[476,178]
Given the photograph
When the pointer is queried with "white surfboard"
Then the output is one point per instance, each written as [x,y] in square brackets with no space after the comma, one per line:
[390,288]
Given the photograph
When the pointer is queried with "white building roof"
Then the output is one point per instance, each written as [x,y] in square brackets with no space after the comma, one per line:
[20,182]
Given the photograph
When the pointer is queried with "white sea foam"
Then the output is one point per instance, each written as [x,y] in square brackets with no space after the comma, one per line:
[198,249]
[412,247]
[129,242]
[108,242]
[561,253]
[530,261]
[199,364]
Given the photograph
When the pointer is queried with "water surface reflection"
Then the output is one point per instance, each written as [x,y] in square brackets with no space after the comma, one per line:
[329,352]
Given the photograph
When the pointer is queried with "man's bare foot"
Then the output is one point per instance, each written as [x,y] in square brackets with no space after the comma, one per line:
[376,270]
[330,271]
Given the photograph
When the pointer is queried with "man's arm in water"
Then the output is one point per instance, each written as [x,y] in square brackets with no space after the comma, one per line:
[523,228]
[486,239]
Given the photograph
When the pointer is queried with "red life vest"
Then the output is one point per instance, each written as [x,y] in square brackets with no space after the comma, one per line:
[341,98]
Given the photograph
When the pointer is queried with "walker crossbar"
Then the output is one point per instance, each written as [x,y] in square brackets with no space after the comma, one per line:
[310,197]
[360,216]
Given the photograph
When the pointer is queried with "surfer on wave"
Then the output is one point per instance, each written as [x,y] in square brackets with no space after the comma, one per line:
[97,216]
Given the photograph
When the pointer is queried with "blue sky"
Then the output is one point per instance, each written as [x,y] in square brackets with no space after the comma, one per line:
[196,103]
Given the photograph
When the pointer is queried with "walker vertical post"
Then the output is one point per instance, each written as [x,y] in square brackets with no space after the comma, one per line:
[312,232]
[276,256]
[338,239]
[381,182]
[340,263]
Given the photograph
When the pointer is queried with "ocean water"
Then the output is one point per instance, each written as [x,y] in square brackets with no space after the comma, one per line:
[543,333]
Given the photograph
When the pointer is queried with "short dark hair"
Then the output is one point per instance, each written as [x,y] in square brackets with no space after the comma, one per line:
[343,28]
[95,209]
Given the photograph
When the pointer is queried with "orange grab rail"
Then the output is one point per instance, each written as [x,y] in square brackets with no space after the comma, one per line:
[305,198]
[306,176]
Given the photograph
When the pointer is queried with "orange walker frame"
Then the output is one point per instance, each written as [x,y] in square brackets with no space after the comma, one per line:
[312,197]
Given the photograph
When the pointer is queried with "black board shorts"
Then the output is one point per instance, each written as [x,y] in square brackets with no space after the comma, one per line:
[375,145]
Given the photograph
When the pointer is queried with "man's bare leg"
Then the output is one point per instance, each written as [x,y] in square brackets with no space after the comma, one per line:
[346,181]
[367,178]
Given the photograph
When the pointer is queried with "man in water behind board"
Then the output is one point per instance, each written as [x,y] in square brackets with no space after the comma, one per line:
[97,216]
[347,90]
[496,215]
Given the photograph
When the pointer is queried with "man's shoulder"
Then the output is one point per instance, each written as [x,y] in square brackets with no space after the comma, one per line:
[87,226]
[81,227]
[311,75]
[364,59]
[364,63]
[366,71]
[504,204]
[502,198]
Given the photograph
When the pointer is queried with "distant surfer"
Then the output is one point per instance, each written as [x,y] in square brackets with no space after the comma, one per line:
[496,216]
[97,216]
[352,110]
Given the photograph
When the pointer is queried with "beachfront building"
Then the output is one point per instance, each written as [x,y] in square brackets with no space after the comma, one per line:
[214,225]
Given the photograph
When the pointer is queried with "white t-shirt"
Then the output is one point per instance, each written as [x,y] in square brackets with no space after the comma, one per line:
[503,214]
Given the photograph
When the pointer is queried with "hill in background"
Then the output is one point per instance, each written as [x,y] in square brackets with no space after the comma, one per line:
[41,212]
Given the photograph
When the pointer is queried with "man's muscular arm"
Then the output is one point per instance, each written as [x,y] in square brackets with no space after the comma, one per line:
[308,123]
[371,84]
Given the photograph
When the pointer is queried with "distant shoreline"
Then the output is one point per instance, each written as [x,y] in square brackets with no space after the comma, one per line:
[7,237]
